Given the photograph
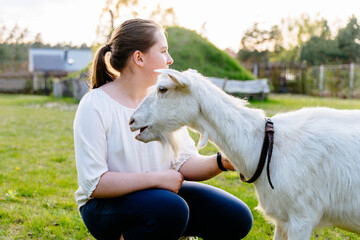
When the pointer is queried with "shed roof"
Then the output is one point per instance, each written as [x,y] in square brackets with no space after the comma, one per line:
[48,63]
[65,60]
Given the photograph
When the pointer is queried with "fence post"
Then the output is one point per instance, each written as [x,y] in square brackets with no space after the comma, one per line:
[302,78]
[321,80]
[351,84]
[224,84]
[255,70]
[35,82]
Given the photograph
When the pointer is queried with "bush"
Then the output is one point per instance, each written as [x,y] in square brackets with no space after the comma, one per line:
[190,50]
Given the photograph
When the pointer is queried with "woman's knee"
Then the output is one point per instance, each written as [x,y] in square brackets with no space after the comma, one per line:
[171,212]
[213,209]
[149,214]
[166,217]
[240,221]
[244,221]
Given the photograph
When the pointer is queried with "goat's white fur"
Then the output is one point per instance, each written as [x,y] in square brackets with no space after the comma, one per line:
[315,166]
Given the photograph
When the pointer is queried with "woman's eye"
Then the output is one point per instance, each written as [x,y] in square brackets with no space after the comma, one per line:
[162,89]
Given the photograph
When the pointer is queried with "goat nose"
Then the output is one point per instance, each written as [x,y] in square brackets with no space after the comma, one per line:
[132,120]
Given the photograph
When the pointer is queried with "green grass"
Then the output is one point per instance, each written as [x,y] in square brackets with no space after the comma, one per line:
[38,175]
[37,169]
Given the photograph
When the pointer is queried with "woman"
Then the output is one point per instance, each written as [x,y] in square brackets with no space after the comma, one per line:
[126,188]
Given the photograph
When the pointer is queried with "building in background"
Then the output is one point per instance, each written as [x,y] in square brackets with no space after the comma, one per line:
[46,64]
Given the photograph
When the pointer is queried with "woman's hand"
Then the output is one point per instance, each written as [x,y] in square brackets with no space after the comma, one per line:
[227,164]
[170,180]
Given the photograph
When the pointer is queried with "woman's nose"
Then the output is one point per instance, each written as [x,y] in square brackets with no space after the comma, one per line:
[170,60]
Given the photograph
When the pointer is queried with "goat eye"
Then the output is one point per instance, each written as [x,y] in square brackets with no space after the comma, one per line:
[162,89]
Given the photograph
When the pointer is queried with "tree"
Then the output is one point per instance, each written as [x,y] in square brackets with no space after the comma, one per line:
[348,39]
[319,50]
[112,11]
[256,44]
[38,41]
[345,48]
[2,33]
[125,9]
[256,39]
[164,16]
[294,40]
[255,56]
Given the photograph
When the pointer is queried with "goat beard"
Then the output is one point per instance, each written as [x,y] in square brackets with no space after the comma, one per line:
[170,146]
[170,143]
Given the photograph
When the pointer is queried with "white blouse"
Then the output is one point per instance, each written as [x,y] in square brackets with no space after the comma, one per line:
[103,142]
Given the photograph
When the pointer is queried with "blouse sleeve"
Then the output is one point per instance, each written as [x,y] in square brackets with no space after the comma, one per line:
[187,148]
[90,128]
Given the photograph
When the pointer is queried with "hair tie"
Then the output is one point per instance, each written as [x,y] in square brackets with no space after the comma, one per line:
[108,48]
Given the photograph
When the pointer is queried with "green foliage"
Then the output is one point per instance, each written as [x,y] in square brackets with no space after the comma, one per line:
[255,56]
[302,40]
[38,174]
[12,57]
[319,50]
[345,48]
[285,55]
[190,50]
[348,40]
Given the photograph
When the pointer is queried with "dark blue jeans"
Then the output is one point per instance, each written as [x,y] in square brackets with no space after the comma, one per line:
[197,210]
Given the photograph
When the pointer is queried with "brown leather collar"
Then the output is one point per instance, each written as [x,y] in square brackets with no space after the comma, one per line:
[266,150]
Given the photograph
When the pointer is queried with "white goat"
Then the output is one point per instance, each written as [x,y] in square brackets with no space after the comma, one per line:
[315,166]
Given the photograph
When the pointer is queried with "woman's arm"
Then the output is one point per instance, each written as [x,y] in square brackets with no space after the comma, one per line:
[199,168]
[115,184]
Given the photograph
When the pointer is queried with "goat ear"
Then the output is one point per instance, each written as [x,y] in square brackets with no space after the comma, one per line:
[175,75]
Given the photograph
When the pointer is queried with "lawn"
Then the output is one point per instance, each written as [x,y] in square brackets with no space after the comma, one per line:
[38,175]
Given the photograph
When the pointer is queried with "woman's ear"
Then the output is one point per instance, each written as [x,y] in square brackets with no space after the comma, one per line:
[138,58]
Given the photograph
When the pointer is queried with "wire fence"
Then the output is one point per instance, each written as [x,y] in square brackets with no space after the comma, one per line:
[334,80]
[325,80]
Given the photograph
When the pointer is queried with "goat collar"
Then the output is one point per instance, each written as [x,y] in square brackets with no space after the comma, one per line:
[266,150]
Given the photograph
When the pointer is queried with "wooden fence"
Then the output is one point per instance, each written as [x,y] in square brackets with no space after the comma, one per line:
[75,88]
[15,83]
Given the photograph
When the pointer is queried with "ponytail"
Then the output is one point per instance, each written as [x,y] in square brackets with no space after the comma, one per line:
[101,74]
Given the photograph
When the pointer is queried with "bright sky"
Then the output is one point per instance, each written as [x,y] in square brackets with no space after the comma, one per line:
[226,20]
